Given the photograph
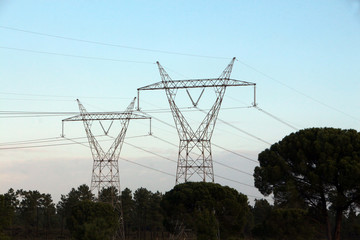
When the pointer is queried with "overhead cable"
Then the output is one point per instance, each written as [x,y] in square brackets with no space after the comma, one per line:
[110,44]
[276,118]
[74,56]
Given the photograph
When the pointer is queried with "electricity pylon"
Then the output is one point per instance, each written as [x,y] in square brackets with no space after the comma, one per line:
[194,156]
[105,172]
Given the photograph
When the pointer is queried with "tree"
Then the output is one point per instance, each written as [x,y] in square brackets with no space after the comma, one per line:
[67,202]
[155,222]
[261,212]
[208,209]
[92,221]
[109,195]
[128,208]
[351,226]
[141,210]
[7,212]
[319,166]
[286,223]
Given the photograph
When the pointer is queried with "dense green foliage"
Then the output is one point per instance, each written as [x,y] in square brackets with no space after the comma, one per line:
[6,215]
[145,219]
[208,210]
[313,169]
[92,221]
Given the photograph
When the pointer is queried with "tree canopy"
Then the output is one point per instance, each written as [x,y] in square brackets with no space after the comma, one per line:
[316,167]
[207,209]
[92,220]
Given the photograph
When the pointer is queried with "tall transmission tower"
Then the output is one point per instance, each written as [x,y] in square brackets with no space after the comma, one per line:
[194,156]
[105,172]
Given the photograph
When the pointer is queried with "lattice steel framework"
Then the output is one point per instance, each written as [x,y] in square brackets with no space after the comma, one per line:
[194,156]
[105,172]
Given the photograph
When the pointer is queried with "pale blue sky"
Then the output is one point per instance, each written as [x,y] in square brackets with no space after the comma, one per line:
[303,55]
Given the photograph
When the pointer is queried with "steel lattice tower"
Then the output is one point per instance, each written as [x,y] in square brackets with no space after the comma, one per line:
[194,156]
[105,172]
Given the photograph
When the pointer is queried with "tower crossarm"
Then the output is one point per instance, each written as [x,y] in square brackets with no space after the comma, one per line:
[196,83]
[106,116]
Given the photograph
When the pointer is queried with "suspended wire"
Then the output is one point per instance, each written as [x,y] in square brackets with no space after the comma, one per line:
[189,109]
[171,160]
[36,146]
[127,160]
[276,118]
[85,144]
[32,116]
[74,56]
[51,114]
[48,140]
[35,100]
[110,44]
[153,153]
[31,141]
[297,91]
[222,164]
[159,51]
[225,149]
[59,96]
[245,184]
[235,127]
[269,114]
[229,124]
[165,141]
[151,168]
[245,132]
[238,154]
[76,142]
[166,158]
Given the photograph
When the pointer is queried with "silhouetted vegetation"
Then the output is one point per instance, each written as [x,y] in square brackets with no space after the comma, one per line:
[314,176]
[201,210]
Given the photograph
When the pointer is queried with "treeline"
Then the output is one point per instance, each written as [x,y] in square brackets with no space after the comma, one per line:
[191,210]
[34,215]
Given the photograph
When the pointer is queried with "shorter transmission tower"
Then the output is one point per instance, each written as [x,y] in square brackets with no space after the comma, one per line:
[194,156]
[105,172]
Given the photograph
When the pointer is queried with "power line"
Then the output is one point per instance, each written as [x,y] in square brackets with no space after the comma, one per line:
[154,169]
[35,100]
[240,155]
[36,146]
[163,110]
[222,164]
[228,179]
[59,96]
[159,51]
[171,160]
[166,158]
[32,141]
[172,175]
[297,91]
[237,128]
[110,44]
[48,140]
[276,118]
[191,109]
[73,56]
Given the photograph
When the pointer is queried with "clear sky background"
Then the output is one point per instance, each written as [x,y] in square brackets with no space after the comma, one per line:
[303,55]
